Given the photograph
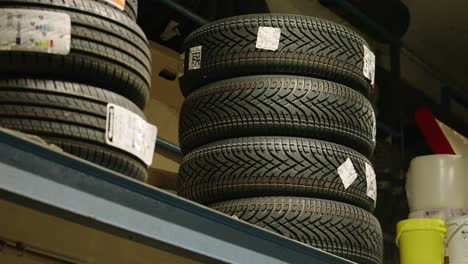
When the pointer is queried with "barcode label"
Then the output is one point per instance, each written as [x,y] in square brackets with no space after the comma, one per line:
[195,58]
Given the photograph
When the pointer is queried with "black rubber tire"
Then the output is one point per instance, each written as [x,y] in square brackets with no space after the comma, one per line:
[308,47]
[337,228]
[69,115]
[263,166]
[108,50]
[275,105]
[131,8]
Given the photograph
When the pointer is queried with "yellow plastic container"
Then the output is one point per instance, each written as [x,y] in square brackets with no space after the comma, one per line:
[421,241]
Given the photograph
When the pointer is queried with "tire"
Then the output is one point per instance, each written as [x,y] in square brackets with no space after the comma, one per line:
[69,115]
[131,8]
[108,50]
[264,166]
[307,47]
[337,228]
[269,105]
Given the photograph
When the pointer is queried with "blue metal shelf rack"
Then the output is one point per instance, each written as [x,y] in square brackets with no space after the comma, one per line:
[44,179]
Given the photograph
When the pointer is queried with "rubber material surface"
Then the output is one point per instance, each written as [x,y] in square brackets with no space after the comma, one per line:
[307,46]
[269,105]
[131,8]
[108,50]
[72,116]
[337,228]
[262,166]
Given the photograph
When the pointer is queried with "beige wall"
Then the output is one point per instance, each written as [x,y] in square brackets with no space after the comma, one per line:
[163,111]
[49,239]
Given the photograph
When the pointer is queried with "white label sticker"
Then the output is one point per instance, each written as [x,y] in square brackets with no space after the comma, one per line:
[35,30]
[181,64]
[268,38]
[371,182]
[128,131]
[442,214]
[347,173]
[120,4]
[195,58]
[369,64]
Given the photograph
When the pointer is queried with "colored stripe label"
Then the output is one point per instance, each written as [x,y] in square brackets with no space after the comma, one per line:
[35,31]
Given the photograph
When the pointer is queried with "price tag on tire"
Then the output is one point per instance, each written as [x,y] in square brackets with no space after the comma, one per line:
[128,131]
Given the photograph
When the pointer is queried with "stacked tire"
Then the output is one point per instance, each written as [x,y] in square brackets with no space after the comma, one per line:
[277,129]
[63,62]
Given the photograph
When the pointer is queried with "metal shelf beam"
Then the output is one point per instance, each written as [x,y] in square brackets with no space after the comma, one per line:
[44,179]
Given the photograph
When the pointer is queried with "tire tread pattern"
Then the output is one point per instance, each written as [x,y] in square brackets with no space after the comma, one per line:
[308,47]
[335,227]
[253,166]
[270,105]
[106,46]
[71,116]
